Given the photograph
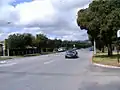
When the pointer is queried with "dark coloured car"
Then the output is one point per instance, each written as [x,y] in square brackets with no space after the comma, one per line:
[90,49]
[71,54]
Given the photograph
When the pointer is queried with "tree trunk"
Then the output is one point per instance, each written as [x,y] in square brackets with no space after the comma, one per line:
[109,50]
[103,50]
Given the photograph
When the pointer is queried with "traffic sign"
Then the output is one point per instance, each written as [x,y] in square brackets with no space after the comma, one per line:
[118,33]
[74,45]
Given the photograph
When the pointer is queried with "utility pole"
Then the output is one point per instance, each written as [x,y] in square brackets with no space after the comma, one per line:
[4,49]
[8,52]
[94,47]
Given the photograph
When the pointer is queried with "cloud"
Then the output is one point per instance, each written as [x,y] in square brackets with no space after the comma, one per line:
[5,2]
[55,18]
[36,12]
[70,4]
[7,13]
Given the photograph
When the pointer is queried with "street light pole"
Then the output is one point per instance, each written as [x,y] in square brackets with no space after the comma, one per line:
[94,47]
[4,49]
[8,52]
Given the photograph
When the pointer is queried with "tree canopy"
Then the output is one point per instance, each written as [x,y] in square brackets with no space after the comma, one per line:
[22,41]
[19,40]
[101,20]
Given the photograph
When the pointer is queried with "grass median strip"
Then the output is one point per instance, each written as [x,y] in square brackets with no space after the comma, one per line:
[102,58]
[5,58]
[27,55]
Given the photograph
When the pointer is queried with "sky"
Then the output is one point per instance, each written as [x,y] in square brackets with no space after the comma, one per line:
[54,18]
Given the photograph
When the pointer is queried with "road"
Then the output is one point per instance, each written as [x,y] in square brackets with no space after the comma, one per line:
[54,72]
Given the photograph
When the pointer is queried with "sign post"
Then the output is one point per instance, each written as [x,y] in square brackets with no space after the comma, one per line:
[118,36]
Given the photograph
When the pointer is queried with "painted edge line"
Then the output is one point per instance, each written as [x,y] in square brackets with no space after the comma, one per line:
[101,65]
[5,65]
[48,62]
[105,66]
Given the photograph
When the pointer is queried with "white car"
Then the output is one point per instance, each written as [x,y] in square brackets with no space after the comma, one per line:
[60,50]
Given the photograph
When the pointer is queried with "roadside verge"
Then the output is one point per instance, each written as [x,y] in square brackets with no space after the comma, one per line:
[105,61]
[4,59]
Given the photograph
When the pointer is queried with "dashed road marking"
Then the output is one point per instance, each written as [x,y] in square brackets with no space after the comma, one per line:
[71,59]
[48,62]
[5,65]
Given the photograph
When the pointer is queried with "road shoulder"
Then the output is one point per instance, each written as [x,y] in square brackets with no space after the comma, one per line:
[106,62]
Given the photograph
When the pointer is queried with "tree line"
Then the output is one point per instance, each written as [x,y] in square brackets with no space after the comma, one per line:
[21,44]
[101,20]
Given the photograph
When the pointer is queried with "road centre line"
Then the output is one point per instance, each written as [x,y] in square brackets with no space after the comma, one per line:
[48,62]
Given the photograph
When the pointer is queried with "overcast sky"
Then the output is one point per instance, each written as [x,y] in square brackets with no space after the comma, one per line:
[54,18]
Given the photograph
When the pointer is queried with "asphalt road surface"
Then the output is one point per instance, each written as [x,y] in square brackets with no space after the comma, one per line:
[54,72]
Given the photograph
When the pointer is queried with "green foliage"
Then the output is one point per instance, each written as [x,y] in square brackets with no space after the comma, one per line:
[101,20]
[41,40]
[19,41]
[23,41]
[58,43]
[28,38]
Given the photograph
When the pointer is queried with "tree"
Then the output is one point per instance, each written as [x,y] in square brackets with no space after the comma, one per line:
[41,40]
[20,41]
[15,41]
[101,20]
[57,43]
[50,43]
[6,44]
[28,39]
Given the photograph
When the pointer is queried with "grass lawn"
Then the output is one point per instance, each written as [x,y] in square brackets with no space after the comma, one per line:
[43,53]
[30,55]
[27,55]
[102,58]
[5,58]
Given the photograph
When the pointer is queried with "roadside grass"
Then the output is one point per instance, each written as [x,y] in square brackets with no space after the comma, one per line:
[44,53]
[9,57]
[5,58]
[102,58]
[27,55]
[38,54]
[30,55]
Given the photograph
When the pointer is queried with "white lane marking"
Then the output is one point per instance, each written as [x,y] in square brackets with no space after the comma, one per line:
[47,77]
[5,65]
[71,59]
[106,66]
[48,62]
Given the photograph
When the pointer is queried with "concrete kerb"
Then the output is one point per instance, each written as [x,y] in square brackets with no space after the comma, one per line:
[101,65]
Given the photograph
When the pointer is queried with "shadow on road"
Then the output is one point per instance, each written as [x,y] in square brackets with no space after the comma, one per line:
[40,74]
[97,86]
